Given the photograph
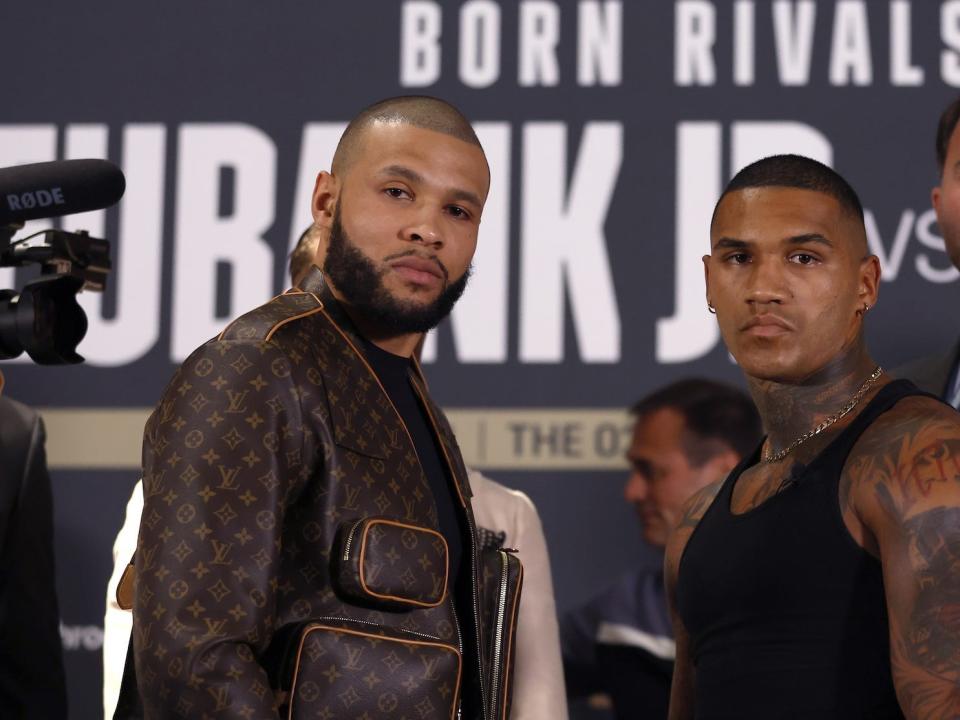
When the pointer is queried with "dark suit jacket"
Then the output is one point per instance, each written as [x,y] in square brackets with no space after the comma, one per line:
[931,373]
[31,657]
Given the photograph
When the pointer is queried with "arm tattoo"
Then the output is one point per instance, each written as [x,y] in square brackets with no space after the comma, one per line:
[926,655]
[933,638]
[911,469]
[911,458]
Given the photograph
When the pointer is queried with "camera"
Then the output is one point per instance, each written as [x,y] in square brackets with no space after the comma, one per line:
[44,318]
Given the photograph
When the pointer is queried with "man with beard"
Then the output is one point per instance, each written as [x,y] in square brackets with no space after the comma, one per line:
[819,579]
[940,373]
[504,517]
[307,538]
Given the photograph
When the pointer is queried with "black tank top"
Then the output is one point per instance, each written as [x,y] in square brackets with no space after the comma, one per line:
[785,612]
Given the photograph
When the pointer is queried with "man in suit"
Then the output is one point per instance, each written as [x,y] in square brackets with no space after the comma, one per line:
[32,682]
[940,373]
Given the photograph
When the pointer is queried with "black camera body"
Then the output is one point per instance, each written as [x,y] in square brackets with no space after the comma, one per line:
[44,318]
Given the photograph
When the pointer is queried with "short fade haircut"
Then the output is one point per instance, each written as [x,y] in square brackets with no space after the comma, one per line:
[716,417]
[422,111]
[945,127]
[301,258]
[795,171]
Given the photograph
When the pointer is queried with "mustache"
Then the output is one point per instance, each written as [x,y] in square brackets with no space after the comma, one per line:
[429,258]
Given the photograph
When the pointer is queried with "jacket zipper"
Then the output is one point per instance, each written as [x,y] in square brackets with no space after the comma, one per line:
[498,633]
[349,542]
[456,624]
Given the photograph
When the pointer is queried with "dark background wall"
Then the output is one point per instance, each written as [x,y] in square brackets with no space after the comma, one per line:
[610,128]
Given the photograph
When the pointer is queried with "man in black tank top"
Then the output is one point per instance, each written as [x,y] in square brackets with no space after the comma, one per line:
[822,578]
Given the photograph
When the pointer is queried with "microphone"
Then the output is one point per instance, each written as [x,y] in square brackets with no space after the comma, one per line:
[52,189]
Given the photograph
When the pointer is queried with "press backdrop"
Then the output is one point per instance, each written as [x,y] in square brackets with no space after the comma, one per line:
[610,128]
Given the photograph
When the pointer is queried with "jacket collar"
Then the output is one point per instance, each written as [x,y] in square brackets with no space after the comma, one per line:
[315,283]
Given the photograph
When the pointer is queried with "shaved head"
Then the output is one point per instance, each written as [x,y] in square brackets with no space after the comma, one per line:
[801,173]
[422,111]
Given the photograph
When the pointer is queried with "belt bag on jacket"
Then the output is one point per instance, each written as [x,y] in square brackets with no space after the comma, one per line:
[337,667]
[388,564]
[344,667]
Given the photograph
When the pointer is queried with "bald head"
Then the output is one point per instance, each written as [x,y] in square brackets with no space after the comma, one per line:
[421,111]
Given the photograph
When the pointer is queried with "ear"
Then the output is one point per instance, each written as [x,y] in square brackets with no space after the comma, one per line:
[935,200]
[706,276]
[869,289]
[326,192]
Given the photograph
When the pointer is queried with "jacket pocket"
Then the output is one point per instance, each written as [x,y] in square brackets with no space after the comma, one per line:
[503,580]
[388,564]
[351,668]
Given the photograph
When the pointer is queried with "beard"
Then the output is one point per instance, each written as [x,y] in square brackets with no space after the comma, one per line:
[360,283]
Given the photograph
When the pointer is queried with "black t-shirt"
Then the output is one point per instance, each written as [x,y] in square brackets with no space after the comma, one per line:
[394,373]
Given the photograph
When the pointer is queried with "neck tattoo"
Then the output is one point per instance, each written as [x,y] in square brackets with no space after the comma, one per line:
[772,457]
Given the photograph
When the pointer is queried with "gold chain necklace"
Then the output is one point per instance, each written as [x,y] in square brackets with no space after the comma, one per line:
[842,413]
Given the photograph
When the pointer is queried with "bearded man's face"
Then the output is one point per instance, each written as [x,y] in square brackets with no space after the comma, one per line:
[360,280]
[404,225]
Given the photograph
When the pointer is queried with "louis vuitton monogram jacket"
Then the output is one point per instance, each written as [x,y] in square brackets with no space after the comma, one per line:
[268,455]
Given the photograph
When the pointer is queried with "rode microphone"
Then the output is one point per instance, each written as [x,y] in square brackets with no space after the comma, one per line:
[52,189]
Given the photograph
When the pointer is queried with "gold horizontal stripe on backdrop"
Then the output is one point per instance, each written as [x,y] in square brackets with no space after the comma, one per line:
[490,439]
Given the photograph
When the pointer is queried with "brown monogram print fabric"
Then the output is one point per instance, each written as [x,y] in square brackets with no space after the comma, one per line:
[264,442]
[349,673]
[397,563]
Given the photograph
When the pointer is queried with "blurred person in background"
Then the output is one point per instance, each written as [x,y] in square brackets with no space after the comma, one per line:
[939,373]
[618,649]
